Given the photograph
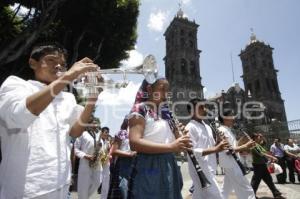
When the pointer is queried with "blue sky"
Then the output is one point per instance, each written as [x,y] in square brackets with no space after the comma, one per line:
[224,30]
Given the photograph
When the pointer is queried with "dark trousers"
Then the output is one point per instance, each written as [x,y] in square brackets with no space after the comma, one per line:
[260,172]
[281,178]
[291,167]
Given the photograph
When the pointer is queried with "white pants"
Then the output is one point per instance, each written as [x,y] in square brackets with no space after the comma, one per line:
[105,181]
[61,193]
[88,181]
[234,180]
[211,192]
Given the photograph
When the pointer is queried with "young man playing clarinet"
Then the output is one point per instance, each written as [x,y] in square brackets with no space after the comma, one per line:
[204,147]
[234,178]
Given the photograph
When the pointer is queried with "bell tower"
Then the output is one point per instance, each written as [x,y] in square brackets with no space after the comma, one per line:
[182,61]
[260,78]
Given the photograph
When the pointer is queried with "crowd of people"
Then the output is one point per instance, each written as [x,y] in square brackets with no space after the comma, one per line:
[38,119]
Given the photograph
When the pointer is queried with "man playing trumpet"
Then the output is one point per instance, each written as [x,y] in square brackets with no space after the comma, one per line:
[37,117]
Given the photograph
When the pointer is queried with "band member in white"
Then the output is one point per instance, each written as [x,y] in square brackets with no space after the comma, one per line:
[37,118]
[89,178]
[204,147]
[105,147]
[234,178]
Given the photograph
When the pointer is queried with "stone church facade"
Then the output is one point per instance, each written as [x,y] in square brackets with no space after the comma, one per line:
[182,69]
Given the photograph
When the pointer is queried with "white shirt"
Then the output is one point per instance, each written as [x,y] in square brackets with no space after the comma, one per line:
[294,149]
[157,131]
[202,138]
[35,149]
[226,160]
[84,145]
[125,145]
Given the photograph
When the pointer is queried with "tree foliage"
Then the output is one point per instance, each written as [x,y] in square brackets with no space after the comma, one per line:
[100,29]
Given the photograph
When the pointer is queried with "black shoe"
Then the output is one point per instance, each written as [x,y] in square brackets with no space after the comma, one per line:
[279,197]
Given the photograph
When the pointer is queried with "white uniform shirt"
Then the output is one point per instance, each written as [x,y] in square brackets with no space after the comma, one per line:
[202,138]
[226,160]
[35,149]
[84,145]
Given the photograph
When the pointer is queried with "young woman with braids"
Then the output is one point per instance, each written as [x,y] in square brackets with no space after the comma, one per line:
[156,173]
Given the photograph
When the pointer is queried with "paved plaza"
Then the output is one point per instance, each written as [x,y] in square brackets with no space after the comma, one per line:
[290,191]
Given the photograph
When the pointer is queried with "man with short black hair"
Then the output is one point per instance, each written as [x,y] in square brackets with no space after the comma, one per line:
[38,118]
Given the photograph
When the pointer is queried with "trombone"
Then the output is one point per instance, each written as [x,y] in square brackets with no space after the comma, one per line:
[90,83]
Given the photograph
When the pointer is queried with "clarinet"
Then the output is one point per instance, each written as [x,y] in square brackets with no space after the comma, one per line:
[249,138]
[203,179]
[231,151]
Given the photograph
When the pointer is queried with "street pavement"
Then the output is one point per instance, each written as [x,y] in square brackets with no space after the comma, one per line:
[290,191]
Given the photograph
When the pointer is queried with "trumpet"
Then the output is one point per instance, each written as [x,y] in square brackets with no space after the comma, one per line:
[91,82]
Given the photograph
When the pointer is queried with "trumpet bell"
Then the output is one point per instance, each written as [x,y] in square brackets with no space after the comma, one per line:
[89,83]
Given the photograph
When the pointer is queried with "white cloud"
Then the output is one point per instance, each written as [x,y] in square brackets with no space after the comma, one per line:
[123,96]
[157,20]
[185,2]
[135,59]
[157,38]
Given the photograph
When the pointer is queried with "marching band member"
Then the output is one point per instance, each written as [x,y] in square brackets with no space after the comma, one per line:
[86,147]
[204,147]
[234,178]
[121,164]
[38,118]
[156,173]
[105,147]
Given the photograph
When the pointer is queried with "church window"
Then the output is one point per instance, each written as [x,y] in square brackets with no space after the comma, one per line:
[246,68]
[192,68]
[257,86]
[191,44]
[249,88]
[275,86]
[183,66]
[190,34]
[181,32]
[182,42]
[268,85]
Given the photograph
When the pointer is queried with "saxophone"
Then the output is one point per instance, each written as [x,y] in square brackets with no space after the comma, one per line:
[104,154]
[97,154]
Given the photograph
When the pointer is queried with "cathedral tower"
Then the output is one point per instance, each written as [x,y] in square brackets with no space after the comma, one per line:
[260,78]
[182,61]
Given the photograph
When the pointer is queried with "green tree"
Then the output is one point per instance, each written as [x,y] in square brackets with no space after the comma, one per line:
[100,29]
